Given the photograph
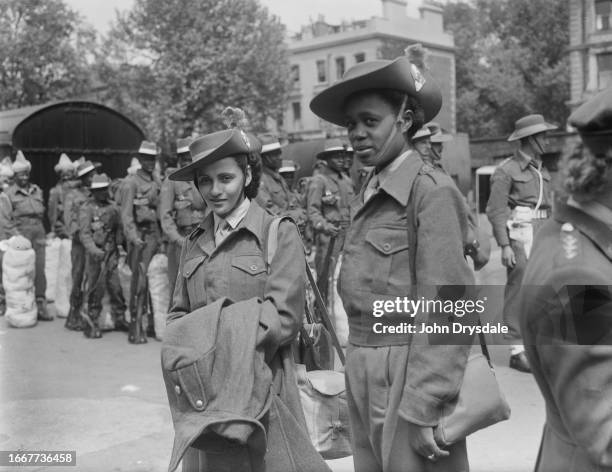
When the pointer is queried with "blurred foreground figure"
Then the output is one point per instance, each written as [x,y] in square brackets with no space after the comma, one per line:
[567,304]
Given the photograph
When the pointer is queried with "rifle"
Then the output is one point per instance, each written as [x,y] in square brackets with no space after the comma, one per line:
[92,328]
[136,334]
[323,281]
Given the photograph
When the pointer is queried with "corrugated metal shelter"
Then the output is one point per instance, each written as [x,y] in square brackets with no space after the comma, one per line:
[77,128]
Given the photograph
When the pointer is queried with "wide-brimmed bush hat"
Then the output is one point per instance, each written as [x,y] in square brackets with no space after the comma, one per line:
[528,126]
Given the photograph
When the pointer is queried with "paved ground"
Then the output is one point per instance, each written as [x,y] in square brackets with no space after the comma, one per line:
[106,399]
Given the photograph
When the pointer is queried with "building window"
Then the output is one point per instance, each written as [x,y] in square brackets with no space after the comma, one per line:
[321,71]
[604,70]
[295,74]
[603,8]
[296,108]
[360,57]
[340,67]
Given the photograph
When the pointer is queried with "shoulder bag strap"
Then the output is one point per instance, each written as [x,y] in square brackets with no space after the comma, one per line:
[271,236]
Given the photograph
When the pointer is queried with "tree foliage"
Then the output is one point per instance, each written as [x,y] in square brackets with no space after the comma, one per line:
[173,65]
[510,61]
[44,52]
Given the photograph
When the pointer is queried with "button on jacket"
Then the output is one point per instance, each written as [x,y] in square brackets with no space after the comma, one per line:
[514,183]
[567,328]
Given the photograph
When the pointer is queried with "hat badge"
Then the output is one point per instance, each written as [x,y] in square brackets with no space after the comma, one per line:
[245,138]
[419,79]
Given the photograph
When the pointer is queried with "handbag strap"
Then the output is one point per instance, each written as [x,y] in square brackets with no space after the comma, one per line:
[411,218]
[271,237]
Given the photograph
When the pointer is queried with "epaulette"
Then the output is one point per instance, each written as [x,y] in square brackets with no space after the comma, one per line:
[570,245]
[507,160]
[195,233]
[429,170]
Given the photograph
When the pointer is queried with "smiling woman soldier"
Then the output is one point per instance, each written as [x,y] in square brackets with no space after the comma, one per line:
[397,393]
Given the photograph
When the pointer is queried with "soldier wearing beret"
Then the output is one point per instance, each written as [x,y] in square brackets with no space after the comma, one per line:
[181,209]
[518,205]
[101,234]
[396,393]
[76,198]
[139,197]
[567,304]
[329,194]
[22,212]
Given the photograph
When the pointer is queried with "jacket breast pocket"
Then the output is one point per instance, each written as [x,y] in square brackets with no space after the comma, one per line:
[193,274]
[248,276]
[526,185]
[388,267]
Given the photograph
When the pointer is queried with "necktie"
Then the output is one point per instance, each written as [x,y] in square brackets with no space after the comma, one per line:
[223,230]
[371,188]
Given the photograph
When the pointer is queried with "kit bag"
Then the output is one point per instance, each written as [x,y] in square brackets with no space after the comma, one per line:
[322,392]
[480,402]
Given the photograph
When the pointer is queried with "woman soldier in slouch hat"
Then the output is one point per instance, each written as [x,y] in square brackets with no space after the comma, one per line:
[224,257]
[566,301]
[397,394]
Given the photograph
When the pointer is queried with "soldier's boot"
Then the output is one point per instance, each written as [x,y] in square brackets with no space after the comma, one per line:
[74,321]
[120,323]
[91,329]
[136,333]
[43,314]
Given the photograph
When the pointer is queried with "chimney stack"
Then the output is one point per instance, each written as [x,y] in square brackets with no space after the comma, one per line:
[394,9]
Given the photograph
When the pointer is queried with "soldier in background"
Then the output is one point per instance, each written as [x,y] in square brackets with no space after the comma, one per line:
[274,194]
[65,169]
[329,194]
[139,196]
[181,210]
[519,204]
[6,178]
[72,205]
[22,212]
[101,235]
[287,171]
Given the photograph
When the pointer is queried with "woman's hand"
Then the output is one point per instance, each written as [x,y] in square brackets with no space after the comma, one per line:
[421,439]
[508,258]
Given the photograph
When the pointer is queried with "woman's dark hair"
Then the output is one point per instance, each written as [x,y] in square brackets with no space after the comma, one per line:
[252,160]
[586,174]
[395,99]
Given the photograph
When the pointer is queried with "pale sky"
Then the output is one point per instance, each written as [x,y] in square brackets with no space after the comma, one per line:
[293,13]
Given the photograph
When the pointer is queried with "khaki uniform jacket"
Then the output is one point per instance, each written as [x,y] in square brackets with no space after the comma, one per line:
[55,206]
[139,199]
[376,266]
[100,226]
[329,197]
[275,196]
[22,207]
[180,206]
[567,328]
[75,199]
[514,183]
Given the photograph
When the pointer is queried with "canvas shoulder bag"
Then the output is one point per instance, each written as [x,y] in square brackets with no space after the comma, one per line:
[322,392]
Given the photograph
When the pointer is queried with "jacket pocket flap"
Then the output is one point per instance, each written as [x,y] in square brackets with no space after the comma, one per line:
[388,240]
[251,264]
[327,382]
[192,385]
[190,266]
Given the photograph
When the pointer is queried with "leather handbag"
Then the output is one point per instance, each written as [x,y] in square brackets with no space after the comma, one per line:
[480,403]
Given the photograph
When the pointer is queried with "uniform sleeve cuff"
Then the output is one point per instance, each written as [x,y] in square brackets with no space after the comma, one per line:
[419,409]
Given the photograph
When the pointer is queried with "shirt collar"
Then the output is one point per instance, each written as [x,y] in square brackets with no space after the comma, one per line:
[524,159]
[397,178]
[235,217]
